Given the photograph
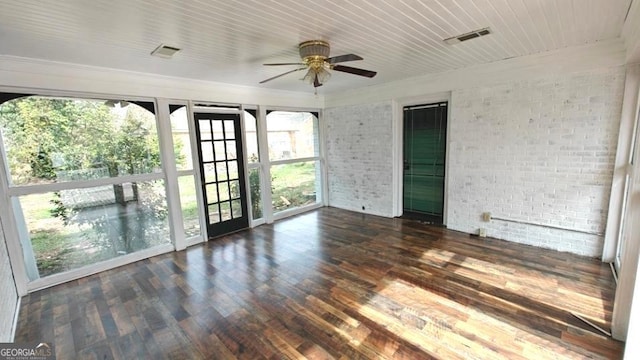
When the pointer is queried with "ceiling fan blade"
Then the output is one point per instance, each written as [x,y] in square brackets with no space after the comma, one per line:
[283,74]
[343,58]
[316,82]
[279,64]
[355,71]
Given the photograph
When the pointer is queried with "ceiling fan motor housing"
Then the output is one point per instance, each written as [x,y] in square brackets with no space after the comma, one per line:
[314,49]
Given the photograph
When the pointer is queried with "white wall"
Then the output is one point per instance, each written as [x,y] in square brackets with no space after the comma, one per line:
[600,55]
[359,168]
[531,139]
[539,151]
[8,293]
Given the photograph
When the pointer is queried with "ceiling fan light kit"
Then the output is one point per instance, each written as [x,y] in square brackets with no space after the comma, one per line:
[315,59]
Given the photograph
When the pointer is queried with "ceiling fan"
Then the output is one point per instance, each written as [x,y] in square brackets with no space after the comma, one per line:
[316,60]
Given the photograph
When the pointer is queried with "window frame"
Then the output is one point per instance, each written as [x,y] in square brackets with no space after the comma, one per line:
[258,165]
[16,233]
[183,241]
[267,164]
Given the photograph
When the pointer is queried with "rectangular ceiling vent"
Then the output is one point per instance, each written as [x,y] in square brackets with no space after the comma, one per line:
[165,51]
[468,36]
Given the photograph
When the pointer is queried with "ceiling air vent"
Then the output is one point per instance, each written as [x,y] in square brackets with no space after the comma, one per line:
[468,36]
[165,51]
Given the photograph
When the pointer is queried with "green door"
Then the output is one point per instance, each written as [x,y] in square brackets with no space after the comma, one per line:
[425,135]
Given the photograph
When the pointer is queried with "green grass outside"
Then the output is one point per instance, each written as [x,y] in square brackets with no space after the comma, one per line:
[293,185]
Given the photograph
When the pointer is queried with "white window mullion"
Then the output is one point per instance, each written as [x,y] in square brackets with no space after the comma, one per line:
[81,184]
[323,163]
[168,158]
[186,172]
[194,175]
[265,178]
[245,165]
[11,230]
[195,156]
[296,160]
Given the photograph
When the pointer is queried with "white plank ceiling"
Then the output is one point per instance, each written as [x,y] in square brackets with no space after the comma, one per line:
[227,41]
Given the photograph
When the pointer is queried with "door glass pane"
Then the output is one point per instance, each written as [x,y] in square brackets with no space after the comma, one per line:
[214,214]
[229,130]
[256,194]
[292,135]
[205,129]
[72,228]
[223,190]
[225,211]
[221,170]
[251,136]
[234,187]
[216,127]
[181,139]
[189,204]
[231,150]
[52,140]
[207,151]
[233,169]
[212,193]
[295,185]
[220,151]
[236,208]
[209,173]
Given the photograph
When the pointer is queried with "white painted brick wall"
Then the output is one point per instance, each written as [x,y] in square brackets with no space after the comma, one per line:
[359,145]
[540,151]
[8,293]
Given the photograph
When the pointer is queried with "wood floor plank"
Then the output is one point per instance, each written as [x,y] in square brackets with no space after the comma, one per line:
[333,284]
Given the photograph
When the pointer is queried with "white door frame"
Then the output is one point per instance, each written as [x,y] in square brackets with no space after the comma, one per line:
[626,134]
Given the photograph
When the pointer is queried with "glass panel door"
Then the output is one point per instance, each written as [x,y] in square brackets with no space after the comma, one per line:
[222,172]
[425,136]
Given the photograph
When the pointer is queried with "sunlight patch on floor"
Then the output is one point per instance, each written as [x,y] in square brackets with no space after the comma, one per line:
[448,328]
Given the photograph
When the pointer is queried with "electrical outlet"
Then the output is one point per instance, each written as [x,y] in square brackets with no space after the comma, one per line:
[486,216]
[482,232]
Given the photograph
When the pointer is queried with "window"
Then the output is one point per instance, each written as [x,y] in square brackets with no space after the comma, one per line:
[186,173]
[294,155]
[51,140]
[85,180]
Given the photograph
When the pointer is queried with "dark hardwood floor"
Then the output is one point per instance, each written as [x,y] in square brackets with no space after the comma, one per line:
[333,284]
